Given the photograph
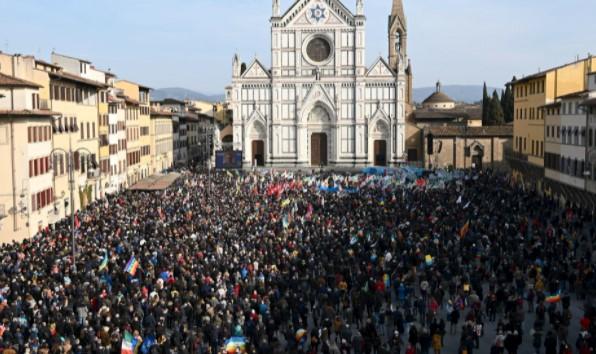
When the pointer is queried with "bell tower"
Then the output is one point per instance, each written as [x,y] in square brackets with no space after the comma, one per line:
[398,35]
[398,46]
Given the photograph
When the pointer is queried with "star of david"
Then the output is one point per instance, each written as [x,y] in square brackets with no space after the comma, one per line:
[317,13]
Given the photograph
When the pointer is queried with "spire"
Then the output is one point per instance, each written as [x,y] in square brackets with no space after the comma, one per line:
[359,7]
[438,86]
[397,11]
[276,8]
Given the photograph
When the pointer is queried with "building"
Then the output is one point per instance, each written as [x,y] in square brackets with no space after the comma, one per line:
[319,104]
[138,121]
[162,144]
[569,156]
[27,190]
[531,93]
[85,69]
[462,146]
[117,141]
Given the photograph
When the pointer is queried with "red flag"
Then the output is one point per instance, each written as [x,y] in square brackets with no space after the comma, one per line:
[464,230]
[77,222]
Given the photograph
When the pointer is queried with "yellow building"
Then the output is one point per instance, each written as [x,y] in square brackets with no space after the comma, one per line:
[138,122]
[531,93]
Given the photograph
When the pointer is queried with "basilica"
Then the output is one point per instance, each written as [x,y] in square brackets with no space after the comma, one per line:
[320,104]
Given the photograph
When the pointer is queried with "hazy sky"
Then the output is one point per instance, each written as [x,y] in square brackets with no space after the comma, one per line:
[190,43]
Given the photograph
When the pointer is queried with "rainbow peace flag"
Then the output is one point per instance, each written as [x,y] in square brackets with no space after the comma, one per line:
[128,343]
[132,266]
[235,345]
[553,299]
[429,260]
[104,261]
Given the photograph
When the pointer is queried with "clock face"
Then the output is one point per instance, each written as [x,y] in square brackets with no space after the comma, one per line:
[318,49]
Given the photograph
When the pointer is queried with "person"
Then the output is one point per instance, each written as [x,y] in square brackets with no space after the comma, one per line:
[437,343]
[278,255]
[550,343]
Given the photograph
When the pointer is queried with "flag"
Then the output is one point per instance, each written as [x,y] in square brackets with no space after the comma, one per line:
[387,281]
[553,299]
[147,344]
[77,222]
[464,230]
[128,343]
[286,221]
[104,261]
[429,260]
[132,266]
[459,200]
[285,203]
[235,345]
[301,336]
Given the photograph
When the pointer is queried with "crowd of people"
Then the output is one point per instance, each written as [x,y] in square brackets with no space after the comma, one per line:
[360,266]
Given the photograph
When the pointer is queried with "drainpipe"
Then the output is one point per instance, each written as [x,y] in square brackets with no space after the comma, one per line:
[14,187]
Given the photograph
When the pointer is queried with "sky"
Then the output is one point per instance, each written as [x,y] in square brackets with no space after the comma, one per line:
[190,43]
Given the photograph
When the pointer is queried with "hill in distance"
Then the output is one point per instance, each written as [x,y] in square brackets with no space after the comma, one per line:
[459,93]
[180,93]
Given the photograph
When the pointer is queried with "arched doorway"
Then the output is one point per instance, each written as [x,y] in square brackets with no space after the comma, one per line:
[257,138]
[380,150]
[477,156]
[379,136]
[319,120]
[258,152]
[318,149]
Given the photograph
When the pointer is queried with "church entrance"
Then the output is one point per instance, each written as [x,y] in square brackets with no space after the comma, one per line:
[258,153]
[380,153]
[318,149]
[477,156]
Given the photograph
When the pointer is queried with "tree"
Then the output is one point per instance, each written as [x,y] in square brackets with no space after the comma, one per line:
[495,111]
[507,104]
[485,104]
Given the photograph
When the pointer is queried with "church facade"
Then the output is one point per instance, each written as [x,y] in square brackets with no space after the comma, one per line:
[319,104]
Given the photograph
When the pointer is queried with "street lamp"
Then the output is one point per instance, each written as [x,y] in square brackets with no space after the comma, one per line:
[71,181]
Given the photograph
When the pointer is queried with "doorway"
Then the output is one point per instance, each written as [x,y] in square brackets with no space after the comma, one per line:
[318,149]
[258,152]
[380,150]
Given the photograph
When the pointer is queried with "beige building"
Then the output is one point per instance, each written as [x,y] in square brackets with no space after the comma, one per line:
[138,122]
[569,156]
[162,144]
[26,191]
[468,147]
[531,93]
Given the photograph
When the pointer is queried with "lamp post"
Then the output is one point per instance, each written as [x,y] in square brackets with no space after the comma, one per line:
[71,181]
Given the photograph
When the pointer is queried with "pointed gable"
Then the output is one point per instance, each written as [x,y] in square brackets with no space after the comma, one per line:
[317,93]
[256,70]
[328,12]
[380,69]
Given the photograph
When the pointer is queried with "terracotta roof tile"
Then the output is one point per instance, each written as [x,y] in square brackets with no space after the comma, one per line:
[10,81]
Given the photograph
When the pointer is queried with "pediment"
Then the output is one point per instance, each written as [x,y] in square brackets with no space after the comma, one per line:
[318,93]
[256,70]
[380,69]
[317,13]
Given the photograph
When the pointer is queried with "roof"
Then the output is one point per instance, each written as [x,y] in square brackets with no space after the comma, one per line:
[161,114]
[75,78]
[45,63]
[71,57]
[453,131]
[107,73]
[438,97]
[131,100]
[544,72]
[10,81]
[136,83]
[28,113]
[169,101]
[574,94]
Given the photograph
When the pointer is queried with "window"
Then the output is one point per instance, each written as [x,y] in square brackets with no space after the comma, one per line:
[288,139]
[42,199]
